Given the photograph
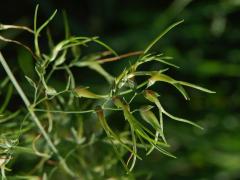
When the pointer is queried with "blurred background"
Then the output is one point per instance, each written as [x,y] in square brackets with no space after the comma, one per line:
[206,47]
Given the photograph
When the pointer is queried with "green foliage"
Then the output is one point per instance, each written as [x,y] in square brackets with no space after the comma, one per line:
[64,116]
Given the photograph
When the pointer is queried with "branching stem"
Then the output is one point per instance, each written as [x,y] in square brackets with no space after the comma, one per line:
[33,115]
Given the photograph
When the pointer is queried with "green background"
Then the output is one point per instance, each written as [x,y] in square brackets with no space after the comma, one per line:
[206,47]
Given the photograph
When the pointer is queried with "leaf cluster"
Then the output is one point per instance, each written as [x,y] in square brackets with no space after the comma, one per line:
[51,109]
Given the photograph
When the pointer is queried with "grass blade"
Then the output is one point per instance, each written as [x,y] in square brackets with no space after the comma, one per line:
[160,36]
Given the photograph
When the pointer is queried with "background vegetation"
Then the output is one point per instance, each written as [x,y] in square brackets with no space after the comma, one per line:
[206,48]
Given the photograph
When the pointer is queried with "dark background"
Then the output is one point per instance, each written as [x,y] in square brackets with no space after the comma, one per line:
[205,46]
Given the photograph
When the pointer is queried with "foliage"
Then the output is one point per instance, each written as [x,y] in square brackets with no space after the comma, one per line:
[53,109]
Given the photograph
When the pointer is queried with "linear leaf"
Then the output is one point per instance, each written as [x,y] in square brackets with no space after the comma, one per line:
[161,35]
[196,87]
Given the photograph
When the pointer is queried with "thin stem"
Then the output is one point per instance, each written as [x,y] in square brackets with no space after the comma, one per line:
[64,112]
[73,112]
[49,98]
[37,51]
[7,26]
[32,113]
[120,57]
[18,43]
[14,81]
[130,90]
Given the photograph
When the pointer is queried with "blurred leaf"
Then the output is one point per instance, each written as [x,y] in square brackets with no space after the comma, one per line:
[26,63]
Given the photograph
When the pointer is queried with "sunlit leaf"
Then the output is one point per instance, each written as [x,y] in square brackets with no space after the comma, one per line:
[177,84]
[151,96]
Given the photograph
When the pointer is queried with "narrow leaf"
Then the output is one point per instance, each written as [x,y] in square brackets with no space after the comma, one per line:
[195,87]
[182,120]
[161,35]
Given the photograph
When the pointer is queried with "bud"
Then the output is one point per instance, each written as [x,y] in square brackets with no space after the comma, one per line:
[84,92]
[151,95]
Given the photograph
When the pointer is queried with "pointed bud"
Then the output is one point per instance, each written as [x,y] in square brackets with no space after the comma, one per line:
[84,92]
[151,95]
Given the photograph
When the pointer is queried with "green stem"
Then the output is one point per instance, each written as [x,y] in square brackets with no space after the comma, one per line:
[130,90]
[65,112]
[32,113]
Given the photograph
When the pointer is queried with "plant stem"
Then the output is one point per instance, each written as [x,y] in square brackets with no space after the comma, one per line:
[101,61]
[65,112]
[32,113]
[130,90]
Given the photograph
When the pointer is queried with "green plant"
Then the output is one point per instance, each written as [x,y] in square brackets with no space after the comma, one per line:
[64,116]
